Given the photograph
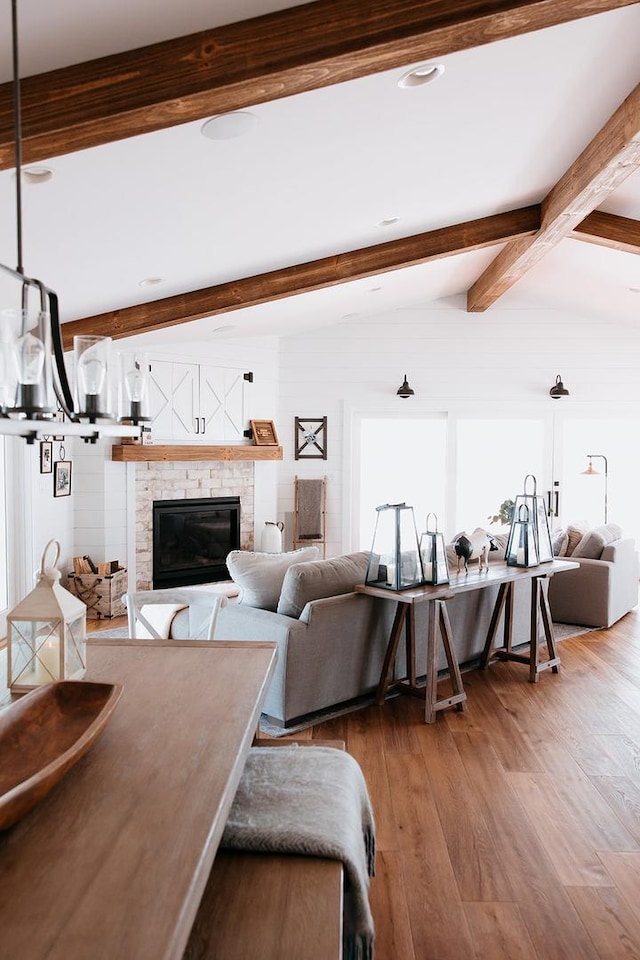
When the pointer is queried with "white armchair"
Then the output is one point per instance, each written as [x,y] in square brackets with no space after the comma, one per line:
[150,612]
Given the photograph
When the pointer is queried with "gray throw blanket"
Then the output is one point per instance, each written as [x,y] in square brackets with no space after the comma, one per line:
[310,503]
[311,800]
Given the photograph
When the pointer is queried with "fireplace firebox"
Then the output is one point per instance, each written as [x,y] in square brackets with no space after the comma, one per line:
[191,540]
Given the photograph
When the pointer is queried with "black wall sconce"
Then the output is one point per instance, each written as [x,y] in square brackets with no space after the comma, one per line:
[558,389]
[404,390]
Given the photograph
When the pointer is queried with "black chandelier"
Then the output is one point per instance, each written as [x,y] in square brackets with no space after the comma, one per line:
[34,386]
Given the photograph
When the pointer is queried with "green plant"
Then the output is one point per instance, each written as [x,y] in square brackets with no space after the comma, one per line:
[504,514]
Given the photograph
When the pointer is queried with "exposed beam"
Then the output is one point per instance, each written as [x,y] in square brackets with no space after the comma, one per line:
[609,230]
[277,55]
[612,155]
[306,277]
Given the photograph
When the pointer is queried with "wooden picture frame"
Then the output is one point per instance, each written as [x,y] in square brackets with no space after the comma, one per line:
[264,433]
[62,478]
[46,456]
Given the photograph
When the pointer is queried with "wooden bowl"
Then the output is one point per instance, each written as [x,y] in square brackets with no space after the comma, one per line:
[43,735]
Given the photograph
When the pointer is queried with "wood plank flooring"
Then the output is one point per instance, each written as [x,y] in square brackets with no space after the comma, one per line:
[510,831]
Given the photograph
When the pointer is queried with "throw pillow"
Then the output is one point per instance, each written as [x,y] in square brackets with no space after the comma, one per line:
[557,539]
[304,582]
[594,541]
[260,575]
[574,534]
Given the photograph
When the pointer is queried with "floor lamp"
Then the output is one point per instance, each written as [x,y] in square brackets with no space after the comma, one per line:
[590,472]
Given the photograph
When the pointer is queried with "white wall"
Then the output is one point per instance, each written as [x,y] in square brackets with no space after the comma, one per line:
[450,357]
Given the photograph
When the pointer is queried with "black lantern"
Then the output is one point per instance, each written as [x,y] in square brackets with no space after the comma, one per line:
[434,555]
[521,548]
[538,516]
[395,562]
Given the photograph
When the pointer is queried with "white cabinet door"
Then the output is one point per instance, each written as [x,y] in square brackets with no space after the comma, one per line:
[234,419]
[212,403]
[160,403]
[185,422]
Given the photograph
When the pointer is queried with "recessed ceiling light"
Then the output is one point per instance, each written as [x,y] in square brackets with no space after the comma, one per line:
[151,282]
[228,326]
[418,76]
[375,289]
[634,289]
[36,174]
[351,316]
[228,126]
[388,222]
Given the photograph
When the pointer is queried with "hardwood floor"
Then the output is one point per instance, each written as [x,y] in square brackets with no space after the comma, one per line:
[510,831]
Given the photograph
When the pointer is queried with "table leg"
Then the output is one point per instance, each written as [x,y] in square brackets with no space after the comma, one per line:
[458,696]
[504,601]
[390,655]
[431,692]
[534,643]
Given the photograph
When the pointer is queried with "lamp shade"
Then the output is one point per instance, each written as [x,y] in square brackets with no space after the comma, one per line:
[46,632]
[404,390]
[395,562]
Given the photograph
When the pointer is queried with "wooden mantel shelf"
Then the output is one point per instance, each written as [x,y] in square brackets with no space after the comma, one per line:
[139,453]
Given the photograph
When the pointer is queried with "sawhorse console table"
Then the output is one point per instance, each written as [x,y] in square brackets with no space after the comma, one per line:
[439,626]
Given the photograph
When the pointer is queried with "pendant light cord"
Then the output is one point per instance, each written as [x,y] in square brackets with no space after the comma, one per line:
[17,114]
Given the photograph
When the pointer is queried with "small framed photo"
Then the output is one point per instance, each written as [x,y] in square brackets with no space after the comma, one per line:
[58,417]
[264,433]
[62,478]
[46,456]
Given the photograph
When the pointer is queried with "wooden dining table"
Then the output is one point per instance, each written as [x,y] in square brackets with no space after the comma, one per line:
[112,864]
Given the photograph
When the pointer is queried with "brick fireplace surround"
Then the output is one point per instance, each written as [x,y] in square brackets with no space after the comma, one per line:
[178,480]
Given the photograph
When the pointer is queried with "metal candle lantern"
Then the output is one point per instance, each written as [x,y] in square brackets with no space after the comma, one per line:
[538,516]
[522,549]
[395,562]
[434,555]
[46,632]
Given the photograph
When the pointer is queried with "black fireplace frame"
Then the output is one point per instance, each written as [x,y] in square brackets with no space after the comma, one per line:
[198,572]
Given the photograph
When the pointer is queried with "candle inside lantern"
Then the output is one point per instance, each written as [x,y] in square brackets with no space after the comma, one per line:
[391,574]
[48,661]
[428,571]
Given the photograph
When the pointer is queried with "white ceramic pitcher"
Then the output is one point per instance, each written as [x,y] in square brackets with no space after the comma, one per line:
[271,541]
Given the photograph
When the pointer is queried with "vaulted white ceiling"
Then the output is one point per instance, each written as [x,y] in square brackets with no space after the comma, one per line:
[494,133]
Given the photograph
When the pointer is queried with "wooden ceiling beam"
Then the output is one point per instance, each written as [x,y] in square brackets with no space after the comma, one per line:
[306,277]
[612,155]
[609,230]
[242,64]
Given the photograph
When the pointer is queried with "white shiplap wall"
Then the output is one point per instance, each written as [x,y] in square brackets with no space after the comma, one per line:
[451,358]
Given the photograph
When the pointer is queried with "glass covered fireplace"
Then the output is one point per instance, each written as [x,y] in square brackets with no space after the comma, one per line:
[191,539]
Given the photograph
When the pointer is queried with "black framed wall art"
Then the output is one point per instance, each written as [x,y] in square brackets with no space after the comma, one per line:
[311,438]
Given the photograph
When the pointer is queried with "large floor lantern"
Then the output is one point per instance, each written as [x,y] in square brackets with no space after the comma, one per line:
[395,562]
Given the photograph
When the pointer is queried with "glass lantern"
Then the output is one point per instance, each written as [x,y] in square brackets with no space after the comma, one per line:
[92,360]
[133,387]
[434,555]
[395,562]
[522,549]
[46,632]
[538,516]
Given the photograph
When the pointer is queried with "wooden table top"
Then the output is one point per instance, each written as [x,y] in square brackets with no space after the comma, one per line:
[473,580]
[113,863]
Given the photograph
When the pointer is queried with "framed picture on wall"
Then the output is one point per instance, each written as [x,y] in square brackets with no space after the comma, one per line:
[264,433]
[46,456]
[62,478]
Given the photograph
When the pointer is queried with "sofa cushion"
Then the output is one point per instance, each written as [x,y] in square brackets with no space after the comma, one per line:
[319,579]
[594,541]
[260,575]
